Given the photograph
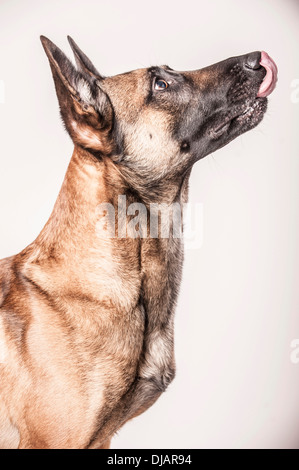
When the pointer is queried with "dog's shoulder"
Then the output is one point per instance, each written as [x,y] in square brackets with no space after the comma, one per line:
[11,312]
[6,277]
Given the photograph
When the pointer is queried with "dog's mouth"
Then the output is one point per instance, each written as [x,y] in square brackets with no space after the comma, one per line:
[241,118]
[245,116]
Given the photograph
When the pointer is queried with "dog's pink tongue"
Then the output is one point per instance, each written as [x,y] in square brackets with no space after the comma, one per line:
[269,82]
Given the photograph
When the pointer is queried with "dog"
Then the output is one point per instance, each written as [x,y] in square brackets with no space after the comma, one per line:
[86,318]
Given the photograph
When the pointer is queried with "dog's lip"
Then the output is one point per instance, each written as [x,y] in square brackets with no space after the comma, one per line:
[225,123]
[270,79]
[239,117]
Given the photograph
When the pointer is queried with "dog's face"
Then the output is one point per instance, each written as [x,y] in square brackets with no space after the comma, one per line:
[156,121]
[168,120]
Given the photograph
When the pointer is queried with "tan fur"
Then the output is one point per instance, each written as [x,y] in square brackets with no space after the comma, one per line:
[84,293]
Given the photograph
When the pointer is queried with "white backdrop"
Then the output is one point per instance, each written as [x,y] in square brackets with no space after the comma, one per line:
[237,383]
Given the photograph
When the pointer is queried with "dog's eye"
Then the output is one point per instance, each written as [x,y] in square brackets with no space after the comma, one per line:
[161,85]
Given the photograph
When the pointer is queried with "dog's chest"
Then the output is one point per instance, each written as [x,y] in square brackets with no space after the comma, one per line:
[162,266]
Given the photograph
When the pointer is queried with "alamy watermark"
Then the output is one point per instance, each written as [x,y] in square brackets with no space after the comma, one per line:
[136,220]
[294,356]
[295,92]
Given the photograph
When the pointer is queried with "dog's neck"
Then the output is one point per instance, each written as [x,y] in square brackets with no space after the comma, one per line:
[71,227]
[72,244]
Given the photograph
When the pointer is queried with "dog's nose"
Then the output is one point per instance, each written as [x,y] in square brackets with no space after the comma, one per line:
[252,61]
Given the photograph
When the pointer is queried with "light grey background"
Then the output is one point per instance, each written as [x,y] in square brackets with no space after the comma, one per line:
[238,309]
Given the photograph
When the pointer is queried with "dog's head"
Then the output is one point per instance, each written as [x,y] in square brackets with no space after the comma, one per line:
[158,122]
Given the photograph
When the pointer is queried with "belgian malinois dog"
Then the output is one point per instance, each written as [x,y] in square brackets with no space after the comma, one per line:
[86,319]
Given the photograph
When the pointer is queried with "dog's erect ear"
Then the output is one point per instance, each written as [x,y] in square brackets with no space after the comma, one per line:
[85,108]
[82,61]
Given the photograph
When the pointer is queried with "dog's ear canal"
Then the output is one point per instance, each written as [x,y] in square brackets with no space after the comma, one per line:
[85,108]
